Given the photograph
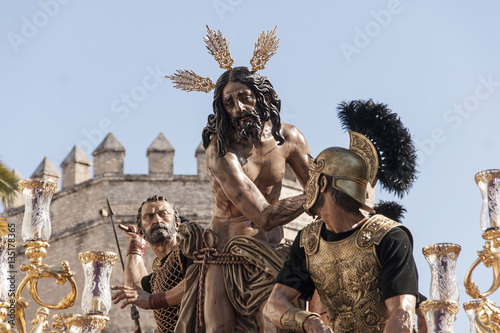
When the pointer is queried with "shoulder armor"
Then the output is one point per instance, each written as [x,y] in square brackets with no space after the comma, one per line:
[374,230]
[309,239]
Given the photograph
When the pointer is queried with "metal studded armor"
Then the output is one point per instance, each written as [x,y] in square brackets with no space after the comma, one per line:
[166,277]
[346,274]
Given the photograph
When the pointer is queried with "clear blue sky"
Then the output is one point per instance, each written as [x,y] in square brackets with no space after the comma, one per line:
[71,71]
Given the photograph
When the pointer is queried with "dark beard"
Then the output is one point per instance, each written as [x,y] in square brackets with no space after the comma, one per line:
[320,201]
[160,234]
[250,127]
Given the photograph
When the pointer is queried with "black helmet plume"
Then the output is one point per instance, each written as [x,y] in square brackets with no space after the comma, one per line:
[397,153]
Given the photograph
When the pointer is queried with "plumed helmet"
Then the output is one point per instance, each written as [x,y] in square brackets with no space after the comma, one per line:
[351,169]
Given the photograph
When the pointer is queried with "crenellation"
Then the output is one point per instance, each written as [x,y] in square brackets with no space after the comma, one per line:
[75,168]
[161,156]
[201,160]
[47,171]
[109,157]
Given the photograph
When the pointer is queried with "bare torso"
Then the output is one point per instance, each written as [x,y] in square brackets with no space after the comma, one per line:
[251,175]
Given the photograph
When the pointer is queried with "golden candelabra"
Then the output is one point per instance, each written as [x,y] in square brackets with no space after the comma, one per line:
[487,317]
[96,299]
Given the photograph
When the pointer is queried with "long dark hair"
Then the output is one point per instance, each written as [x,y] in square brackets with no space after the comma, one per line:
[220,122]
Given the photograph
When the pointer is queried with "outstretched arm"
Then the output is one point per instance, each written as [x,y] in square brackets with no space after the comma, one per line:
[282,313]
[246,196]
[147,301]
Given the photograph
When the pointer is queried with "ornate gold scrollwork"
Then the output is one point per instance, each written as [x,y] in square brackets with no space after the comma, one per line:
[96,322]
[430,305]
[490,257]
[35,270]
[488,315]
[41,322]
[4,326]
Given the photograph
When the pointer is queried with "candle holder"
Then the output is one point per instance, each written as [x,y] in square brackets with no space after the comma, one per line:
[442,307]
[442,259]
[471,311]
[97,267]
[96,296]
[439,315]
[37,197]
[487,313]
[488,182]
[36,232]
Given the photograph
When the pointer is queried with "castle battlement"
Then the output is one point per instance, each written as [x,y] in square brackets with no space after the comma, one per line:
[108,161]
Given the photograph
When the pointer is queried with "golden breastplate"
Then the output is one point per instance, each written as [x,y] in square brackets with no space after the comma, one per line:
[346,274]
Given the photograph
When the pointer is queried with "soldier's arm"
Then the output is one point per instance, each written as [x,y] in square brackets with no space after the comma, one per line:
[401,313]
[279,304]
[247,197]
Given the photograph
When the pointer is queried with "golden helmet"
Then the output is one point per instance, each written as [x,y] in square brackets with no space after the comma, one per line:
[351,169]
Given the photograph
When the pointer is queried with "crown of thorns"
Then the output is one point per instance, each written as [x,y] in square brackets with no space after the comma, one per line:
[265,47]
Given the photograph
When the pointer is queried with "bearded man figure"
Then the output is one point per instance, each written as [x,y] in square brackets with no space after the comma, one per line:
[247,150]
[162,291]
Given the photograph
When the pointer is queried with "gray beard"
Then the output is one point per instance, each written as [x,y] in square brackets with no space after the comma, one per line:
[160,234]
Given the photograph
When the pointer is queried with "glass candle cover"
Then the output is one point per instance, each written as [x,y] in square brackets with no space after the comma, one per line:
[442,258]
[470,309]
[488,182]
[37,197]
[97,267]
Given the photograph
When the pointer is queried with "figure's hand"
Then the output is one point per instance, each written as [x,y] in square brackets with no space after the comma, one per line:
[131,295]
[134,233]
[314,324]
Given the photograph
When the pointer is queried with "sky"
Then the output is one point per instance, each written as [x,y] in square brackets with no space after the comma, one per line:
[73,71]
